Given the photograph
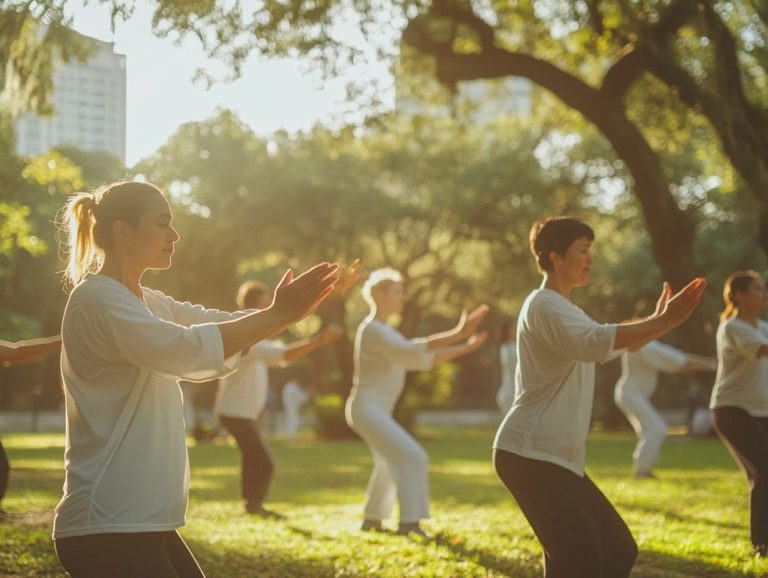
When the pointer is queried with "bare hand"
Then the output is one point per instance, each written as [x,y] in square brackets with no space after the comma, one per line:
[666,295]
[476,340]
[348,278]
[677,308]
[297,297]
[468,323]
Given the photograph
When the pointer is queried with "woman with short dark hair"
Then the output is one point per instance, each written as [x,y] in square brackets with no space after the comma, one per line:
[539,450]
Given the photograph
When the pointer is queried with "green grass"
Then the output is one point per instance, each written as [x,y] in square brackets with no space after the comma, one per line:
[693,522]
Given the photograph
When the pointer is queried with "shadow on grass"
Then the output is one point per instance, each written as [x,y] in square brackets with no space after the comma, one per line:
[657,564]
[672,515]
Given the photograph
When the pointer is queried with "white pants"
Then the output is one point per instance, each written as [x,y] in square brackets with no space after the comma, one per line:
[400,464]
[650,427]
[293,398]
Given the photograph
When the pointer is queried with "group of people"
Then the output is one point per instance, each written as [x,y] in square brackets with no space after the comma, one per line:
[125,346]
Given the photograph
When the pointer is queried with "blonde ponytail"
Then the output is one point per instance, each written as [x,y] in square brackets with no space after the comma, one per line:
[82,255]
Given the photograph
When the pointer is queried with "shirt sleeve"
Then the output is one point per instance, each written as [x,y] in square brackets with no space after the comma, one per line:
[746,341]
[187,314]
[571,332]
[663,357]
[409,353]
[194,353]
[268,352]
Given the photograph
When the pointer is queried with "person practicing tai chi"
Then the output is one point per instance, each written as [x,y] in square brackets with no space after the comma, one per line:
[739,402]
[293,397]
[382,358]
[12,354]
[539,450]
[124,348]
[640,370]
[242,397]
[505,396]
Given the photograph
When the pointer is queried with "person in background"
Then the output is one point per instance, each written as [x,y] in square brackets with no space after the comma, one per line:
[640,370]
[242,396]
[505,396]
[294,397]
[13,354]
[382,358]
[739,402]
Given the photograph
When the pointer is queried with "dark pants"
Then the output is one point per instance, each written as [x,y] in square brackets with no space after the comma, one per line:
[139,555]
[5,471]
[580,532]
[257,466]
[746,437]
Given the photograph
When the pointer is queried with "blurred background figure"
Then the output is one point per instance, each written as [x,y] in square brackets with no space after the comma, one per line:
[505,397]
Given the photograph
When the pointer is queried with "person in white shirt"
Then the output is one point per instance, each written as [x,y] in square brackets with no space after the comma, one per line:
[505,396]
[293,397]
[640,370]
[13,354]
[382,358]
[739,402]
[124,348]
[539,450]
[242,396]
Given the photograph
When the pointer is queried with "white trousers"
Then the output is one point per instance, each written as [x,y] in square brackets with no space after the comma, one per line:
[650,427]
[400,464]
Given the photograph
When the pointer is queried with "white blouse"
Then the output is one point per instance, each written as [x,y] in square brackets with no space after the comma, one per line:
[382,358]
[243,394]
[126,459]
[742,377]
[640,369]
[558,345]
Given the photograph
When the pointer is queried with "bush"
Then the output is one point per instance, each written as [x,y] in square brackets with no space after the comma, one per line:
[330,423]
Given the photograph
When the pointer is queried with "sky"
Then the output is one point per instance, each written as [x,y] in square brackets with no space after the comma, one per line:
[269,95]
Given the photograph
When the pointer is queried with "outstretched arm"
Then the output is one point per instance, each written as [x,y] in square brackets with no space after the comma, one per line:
[671,311]
[454,351]
[466,327]
[699,363]
[299,349]
[27,351]
[294,299]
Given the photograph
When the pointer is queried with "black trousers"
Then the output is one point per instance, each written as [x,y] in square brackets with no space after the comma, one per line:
[257,466]
[5,471]
[746,437]
[139,555]
[580,532]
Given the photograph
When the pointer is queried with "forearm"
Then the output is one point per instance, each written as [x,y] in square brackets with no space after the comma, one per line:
[700,363]
[452,352]
[239,334]
[299,349]
[27,351]
[635,334]
[438,341]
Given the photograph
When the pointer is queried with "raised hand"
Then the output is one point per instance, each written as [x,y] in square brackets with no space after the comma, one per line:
[476,340]
[675,309]
[297,297]
[348,277]
[468,323]
[666,295]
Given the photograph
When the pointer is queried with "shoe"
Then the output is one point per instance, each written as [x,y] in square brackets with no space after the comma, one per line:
[371,526]
[413,530]
[760,550]
[262,512]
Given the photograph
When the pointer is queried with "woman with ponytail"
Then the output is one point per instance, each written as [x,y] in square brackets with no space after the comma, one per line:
[124,348]
[740,396]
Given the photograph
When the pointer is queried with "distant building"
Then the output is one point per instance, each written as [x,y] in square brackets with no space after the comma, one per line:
[89,107]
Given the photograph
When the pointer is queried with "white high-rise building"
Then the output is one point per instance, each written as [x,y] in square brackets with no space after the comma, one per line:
[89,107]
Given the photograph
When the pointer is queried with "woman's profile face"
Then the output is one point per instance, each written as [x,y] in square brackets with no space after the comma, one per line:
[152,241]
[575,266]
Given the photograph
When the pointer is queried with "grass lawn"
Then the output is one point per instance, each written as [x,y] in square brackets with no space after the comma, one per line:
[692,522]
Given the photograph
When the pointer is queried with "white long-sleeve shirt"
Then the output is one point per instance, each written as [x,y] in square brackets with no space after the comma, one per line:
[640,369]
[558,345]
[742,376]
[126,458]
[243,394]
[382,358]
